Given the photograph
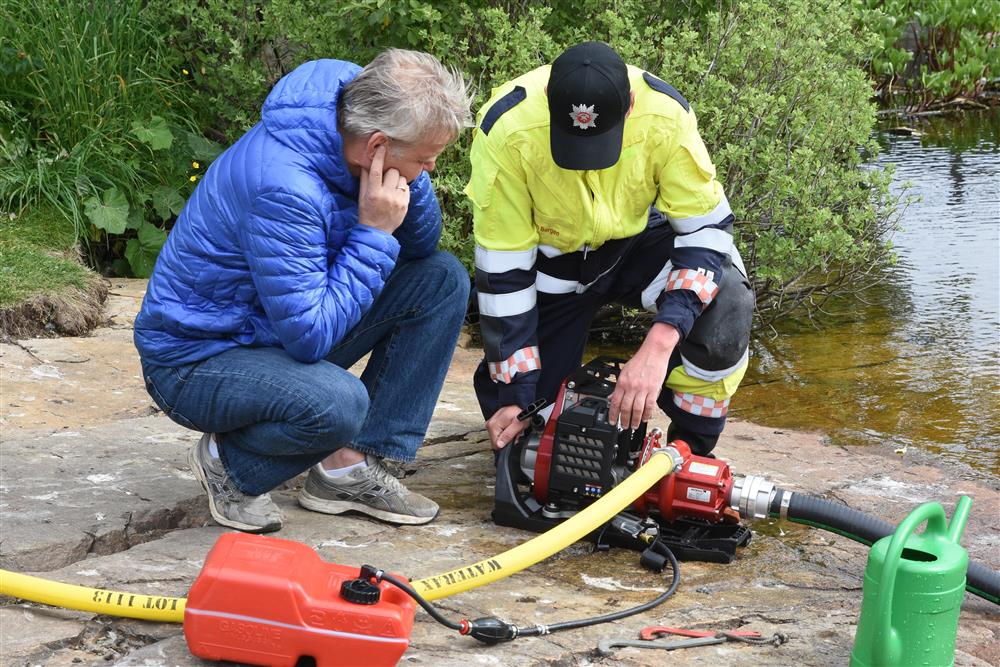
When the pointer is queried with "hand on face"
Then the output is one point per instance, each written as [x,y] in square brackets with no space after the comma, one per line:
[384,196]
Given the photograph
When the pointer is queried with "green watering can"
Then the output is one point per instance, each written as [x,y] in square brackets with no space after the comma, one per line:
[913,590]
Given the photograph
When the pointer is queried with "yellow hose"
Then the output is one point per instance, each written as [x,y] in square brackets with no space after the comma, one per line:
[569,531]
[171,610]
[147,607]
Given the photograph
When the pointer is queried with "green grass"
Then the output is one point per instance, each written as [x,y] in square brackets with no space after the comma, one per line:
[38,257]
[87,107]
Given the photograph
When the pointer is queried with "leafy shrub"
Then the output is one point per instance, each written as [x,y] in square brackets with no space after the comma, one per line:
[934,50]
[91,125]
[486,43]
[781,97]
[785,109]
[230,53]
[782,100]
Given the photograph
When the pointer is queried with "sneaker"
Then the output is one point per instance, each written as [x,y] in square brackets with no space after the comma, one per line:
[372,490]
[230,506]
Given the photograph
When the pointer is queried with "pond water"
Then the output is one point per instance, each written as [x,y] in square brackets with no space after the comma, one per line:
[918,365]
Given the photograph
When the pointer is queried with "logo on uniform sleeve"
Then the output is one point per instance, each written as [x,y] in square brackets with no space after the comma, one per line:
[583,116]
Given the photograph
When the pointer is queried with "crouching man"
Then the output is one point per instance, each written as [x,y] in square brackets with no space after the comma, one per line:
[310,243]
[591,185]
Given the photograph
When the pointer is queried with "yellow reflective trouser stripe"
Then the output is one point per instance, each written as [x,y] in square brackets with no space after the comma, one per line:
[720,390]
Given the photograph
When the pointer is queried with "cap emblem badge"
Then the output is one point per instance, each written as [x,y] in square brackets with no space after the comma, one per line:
[583,116]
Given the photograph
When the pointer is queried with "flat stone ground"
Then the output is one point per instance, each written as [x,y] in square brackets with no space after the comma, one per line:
[96,491]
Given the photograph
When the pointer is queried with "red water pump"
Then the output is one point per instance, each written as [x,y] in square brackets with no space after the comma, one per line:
[573,455]
[580,453]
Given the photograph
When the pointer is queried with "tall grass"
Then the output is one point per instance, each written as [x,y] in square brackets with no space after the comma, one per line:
[75,78]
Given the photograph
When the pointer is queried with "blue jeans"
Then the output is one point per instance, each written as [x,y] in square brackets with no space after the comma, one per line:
[274,417]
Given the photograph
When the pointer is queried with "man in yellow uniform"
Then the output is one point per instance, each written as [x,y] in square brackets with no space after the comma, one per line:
[591,185]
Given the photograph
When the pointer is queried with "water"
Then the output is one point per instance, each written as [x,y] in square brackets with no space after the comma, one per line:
[918,365]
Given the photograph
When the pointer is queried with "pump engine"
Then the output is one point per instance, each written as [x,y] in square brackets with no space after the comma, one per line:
[572,455]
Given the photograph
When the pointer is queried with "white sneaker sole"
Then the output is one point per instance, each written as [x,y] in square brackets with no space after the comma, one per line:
[220,518]
[311,502]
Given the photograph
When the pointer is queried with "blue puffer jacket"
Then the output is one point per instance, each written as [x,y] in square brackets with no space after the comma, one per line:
[268,251]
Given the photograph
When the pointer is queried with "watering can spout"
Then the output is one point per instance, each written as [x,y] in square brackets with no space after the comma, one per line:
[957,525]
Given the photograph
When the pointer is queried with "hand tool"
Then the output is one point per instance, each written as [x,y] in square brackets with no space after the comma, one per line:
[654,632]
[607,646]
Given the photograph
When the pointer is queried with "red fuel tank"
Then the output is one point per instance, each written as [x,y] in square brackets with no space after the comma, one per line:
[267,601]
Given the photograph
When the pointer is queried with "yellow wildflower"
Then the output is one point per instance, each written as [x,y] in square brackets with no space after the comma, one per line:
[184,72]
[195,165]
[193,179]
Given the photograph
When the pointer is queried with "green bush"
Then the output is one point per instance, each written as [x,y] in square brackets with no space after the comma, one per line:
[91,125]
[784,106]
[779,88]
[229,52]
[782,99]
[934,50]
[486,43]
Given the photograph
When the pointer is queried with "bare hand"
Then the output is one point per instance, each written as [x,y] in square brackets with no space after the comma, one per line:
[384,197]
[504,426]
[641,379]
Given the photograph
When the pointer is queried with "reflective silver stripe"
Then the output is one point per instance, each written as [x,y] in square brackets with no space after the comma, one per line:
[713,376]
[551,285]
[298,628]
[549,251]
[738,261]
[688,225]
[505,305]
[583,288]
[501,261]
[711,238]
[655,288]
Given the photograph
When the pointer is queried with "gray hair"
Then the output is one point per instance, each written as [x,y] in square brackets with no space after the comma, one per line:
[408,95]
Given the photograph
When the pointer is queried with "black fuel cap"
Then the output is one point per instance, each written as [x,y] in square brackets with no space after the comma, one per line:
[360,591]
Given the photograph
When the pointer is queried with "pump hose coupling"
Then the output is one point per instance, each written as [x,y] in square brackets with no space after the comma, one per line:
[674,454]
[751,496]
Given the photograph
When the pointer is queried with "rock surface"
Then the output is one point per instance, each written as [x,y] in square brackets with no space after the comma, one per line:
[96,491]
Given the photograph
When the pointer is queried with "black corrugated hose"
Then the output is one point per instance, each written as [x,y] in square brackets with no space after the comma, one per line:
[866,529]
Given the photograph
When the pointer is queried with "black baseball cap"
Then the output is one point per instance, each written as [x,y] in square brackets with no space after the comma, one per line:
[588,99]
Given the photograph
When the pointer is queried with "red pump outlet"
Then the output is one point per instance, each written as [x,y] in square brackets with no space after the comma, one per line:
[700,488]
[267,601]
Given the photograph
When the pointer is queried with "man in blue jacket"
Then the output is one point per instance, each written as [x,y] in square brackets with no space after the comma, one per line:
[308,244]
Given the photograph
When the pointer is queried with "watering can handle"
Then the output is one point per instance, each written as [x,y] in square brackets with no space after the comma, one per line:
[886,653]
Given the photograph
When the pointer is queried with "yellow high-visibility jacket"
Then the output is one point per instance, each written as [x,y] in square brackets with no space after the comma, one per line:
[524,204]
